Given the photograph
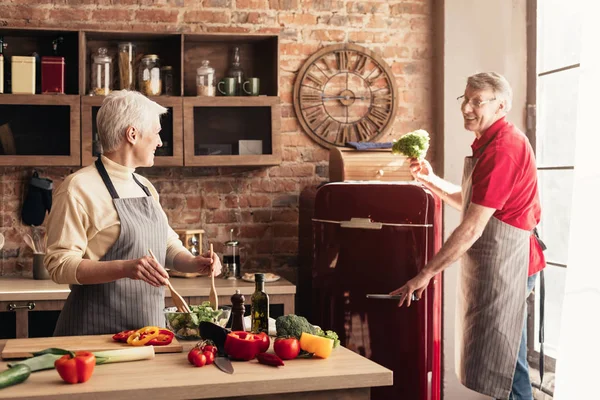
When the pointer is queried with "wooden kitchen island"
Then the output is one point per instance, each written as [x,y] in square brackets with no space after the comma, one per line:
[344,375]
[22,295]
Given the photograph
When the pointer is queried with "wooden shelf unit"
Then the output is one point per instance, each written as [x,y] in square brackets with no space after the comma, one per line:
[171,133]
[35,123]
[259,56]
[211,120]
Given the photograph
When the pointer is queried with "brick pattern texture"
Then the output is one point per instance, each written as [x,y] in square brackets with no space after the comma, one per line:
[260,204]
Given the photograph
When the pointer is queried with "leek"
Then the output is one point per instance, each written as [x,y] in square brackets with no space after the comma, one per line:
[124,355]
[39,363]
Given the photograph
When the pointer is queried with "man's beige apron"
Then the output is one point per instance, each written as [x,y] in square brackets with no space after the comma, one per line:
[490,303]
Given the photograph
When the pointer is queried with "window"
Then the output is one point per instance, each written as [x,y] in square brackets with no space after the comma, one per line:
[554,50]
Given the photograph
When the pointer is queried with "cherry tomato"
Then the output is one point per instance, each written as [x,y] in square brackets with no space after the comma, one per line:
[265,341]
[210,357]
[287,348]
[210,348]
[196,357]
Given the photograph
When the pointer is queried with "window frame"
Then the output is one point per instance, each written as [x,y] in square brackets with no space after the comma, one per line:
[533,356]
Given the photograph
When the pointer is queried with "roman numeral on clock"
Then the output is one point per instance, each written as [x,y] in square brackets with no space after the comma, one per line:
[315,79]
[382,100]
[342,60]
[363,130]
[344,134]
[360,63]
[378,117]
[310,97]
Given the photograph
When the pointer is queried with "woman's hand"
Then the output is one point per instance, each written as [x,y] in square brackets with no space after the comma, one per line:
[205,265]
[421,170]
[146,269]
[214,264]
[416,285]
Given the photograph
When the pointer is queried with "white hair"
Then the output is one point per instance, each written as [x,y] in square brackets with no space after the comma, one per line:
[494,81]
[122,109]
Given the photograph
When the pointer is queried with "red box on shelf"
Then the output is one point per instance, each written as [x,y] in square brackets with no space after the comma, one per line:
[53,75]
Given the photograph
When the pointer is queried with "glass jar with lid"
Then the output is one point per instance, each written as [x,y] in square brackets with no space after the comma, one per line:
[167,80]
[126,60]
[101,83]
[150,83]
[205,80]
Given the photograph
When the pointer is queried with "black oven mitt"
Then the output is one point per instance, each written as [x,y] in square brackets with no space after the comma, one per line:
[38,200]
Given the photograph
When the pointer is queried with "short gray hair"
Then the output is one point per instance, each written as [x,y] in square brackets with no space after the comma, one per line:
[494,81]
[122,109]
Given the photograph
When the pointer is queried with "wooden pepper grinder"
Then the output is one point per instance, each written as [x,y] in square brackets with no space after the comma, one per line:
[237,311]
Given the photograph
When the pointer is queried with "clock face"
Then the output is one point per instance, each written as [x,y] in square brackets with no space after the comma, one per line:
[345,93]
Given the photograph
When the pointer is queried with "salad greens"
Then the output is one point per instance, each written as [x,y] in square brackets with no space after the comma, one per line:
[186,325]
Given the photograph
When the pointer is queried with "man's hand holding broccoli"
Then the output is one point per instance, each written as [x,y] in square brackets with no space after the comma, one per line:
[413,145]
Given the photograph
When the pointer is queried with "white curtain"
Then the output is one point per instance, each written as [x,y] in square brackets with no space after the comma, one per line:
[577,365]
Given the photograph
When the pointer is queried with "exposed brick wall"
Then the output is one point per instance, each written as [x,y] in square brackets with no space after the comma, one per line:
[260,204]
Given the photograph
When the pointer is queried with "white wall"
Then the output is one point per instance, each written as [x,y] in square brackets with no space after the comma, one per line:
[479,35]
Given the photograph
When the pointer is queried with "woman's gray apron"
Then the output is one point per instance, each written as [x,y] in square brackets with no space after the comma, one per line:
[123,304]
[490,302]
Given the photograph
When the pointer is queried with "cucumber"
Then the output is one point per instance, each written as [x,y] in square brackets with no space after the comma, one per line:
[14,375]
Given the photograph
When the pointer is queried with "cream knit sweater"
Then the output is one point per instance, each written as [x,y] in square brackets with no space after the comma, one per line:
[84,223]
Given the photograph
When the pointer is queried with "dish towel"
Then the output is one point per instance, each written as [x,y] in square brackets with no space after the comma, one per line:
[369,145]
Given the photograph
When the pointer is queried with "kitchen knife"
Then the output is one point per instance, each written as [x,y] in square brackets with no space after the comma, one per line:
[223,363]
[390,297]
[218,335]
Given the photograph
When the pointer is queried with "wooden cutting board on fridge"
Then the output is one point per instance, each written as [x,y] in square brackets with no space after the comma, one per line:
[22,348]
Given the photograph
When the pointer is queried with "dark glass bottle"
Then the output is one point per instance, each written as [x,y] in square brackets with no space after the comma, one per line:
[260,306]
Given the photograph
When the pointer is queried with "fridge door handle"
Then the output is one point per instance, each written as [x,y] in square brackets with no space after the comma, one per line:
[361,223]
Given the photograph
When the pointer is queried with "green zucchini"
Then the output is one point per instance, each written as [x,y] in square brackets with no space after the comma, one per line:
[14,375]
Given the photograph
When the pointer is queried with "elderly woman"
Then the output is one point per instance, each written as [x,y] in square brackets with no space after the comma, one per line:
[501,256]
[104,221]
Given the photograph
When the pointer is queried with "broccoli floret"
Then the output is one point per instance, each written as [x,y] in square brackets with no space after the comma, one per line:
[413,145]
[329,335]
[293,325]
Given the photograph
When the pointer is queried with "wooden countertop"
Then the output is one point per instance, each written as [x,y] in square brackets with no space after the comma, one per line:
[170,376]
[22,289]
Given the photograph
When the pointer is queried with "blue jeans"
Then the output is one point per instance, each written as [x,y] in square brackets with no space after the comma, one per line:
[521,387]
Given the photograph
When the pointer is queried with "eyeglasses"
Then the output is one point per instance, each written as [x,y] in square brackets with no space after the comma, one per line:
[474,103]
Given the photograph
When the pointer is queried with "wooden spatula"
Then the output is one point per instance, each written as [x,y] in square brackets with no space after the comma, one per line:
[180,303]
[212,296]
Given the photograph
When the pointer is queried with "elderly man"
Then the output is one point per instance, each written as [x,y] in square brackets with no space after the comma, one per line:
[500,254]
[104,221]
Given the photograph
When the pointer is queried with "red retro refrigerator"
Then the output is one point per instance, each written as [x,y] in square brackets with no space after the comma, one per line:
[371,238]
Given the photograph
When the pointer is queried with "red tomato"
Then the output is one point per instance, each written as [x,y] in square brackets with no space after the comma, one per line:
[265,341]
[196,357]
[287,349]
[210,357]
[210,348]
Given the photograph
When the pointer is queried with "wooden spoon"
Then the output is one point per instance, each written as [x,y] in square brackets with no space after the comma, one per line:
[212,296]
[29,241]
[180,303]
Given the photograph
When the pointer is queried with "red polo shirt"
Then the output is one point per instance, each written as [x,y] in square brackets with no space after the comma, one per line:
[505,178]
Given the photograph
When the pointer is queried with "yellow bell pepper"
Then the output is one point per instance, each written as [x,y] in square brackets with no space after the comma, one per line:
[320,346]
[143,336]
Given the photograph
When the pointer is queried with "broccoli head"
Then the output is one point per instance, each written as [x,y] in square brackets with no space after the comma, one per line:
[293,325]
[413,145]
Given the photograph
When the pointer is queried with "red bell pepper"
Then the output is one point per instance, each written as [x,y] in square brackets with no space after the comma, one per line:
[241,345]
[76,367]
[269,359]
[164,338]
[123,336]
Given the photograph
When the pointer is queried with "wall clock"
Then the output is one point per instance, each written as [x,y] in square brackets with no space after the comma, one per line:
[345,93]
